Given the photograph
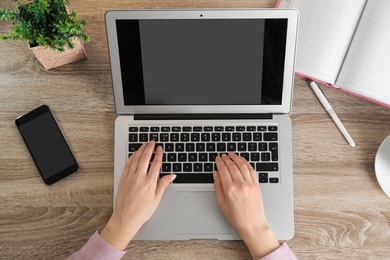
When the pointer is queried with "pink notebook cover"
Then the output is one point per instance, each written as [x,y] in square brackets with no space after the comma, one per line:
[332,86]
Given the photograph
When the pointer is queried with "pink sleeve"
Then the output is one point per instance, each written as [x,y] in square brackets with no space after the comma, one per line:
[97,248]
[283,252]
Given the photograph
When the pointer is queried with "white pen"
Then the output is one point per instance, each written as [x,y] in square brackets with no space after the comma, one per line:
[325,103]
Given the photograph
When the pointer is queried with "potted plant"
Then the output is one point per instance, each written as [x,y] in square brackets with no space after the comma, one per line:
[53,34]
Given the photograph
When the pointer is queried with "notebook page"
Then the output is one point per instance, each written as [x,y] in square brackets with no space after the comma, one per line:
[325,30]
[366,70]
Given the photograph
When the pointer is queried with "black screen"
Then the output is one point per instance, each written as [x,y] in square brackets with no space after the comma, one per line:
[46,145]
[202,62]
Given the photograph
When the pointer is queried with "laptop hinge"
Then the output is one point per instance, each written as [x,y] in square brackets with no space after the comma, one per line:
[200,116]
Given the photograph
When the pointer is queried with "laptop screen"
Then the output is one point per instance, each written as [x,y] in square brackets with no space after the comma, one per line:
[202,62]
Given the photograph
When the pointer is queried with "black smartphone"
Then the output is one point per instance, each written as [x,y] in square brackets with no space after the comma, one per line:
[46,144]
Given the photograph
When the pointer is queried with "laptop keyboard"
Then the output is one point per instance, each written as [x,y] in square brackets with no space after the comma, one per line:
[190,151]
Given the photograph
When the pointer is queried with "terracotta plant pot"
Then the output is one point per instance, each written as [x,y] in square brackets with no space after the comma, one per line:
[53,58]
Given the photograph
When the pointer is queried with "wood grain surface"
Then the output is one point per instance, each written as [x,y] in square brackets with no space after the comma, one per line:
[340,210]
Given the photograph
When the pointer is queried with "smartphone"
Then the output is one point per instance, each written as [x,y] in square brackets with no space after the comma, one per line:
[46,144]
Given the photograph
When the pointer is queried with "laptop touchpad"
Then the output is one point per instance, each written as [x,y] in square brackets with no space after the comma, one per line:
[197,213]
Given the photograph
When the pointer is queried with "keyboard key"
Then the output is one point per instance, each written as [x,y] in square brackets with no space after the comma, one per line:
[190,147]
[203,157]
[265,157]
[184,137]
[245,155]
[187,128]
[205,137]
[218,128]
[263,180]
[274,180]
[134,147]
[192,157]
[155,129]
[210,147]
[133,138]
[252,147]
[257,136]
[176,167]
[226,137]
[270,136]
[262,128]
[240,128]
[166,167]
[229,128]
[267,167]
[247,137]
[169,147]
[255,157]
[165,129]
[172,157]
[164,137]
[221,147]
[154,137]
[215,137]
[198,167]
[197,129]
[212,157]
[237,137]
[208,128]
[241,147]
[263,177]
[195,137]
[133,129]
[273,128]
[181,157]
[208,167]
[187,167]
[144,129]
[251,128]
[273,147]
[179,147]
[176,129]
[174,137]
[200,147]
[263,147]
[231,147]
[194,178]
[143,138]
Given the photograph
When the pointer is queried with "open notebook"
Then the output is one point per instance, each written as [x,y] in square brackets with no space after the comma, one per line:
[345,44]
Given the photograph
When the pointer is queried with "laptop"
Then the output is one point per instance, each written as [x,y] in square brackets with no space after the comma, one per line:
[202,83]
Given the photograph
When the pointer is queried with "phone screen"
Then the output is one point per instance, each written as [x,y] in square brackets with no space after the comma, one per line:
[46,144]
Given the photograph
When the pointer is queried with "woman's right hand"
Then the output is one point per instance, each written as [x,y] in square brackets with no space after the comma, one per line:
[239,197]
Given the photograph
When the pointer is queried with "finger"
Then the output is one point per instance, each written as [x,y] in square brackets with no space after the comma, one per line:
[135,160]
[252,172]
[155,167]
[218,188]
[128,163]
[144,161]
[233,169]
[223,172]
[242,166]
[162,185]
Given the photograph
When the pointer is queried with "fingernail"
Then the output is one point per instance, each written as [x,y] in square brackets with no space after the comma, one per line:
[173,177]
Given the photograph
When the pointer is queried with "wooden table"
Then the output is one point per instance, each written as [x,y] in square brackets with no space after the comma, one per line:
[340,210]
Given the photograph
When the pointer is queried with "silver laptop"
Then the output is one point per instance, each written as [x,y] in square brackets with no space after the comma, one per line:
[202,83]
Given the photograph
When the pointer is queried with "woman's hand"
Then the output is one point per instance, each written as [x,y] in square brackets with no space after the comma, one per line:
[139,194]
[239,197]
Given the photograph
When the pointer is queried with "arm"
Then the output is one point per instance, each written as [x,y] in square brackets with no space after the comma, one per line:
[239,197]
